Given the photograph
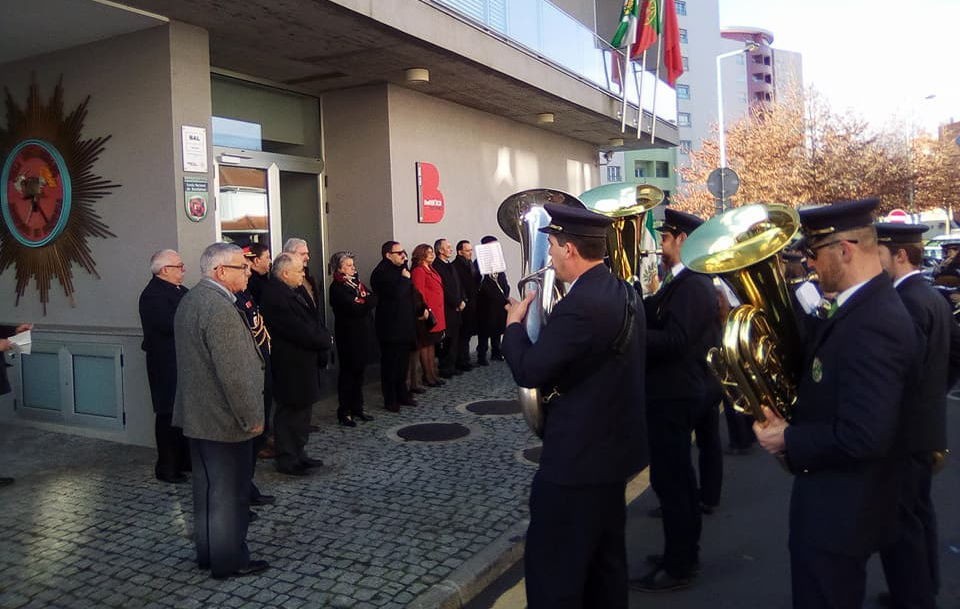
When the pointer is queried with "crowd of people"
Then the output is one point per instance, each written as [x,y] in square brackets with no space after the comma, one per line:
[262,320]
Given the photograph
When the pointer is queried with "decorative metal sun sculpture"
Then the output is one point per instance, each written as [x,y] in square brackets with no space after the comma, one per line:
[47,193]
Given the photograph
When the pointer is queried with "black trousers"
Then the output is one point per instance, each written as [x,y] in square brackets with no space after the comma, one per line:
[575,555]
[394,363]
[739,427]
[349,389]
[463,347]
[670,423]
[911,564]
[221,504]
[448,349]
[706,428]
[291,429]
[823,580]
[493,339]
[173,450]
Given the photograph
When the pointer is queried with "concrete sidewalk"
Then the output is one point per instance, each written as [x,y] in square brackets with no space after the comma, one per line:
[385,523]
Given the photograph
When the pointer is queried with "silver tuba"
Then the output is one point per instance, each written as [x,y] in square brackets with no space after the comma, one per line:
[521,216]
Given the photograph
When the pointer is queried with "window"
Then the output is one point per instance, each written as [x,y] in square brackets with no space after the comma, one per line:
[683,119]
[681,7]
[685,146]
[641,169]
[683,91]
[613,173]
[683,35]
[686,63]
[663,169]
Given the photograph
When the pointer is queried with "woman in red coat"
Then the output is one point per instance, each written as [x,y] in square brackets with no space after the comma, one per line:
[430,285]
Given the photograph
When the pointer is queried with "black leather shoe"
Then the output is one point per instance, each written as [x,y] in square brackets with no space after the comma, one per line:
[657,561]
[482,362]
[496,357]
[417,390]
[447,375]
[253,516]
[364,417]
[347,422]
[309,462]
[314,427]
[6,481]
[407,402]
[464,367]
[296,470]
[659,580]
[252,568]
[391,407]
[172,479]
[263,500]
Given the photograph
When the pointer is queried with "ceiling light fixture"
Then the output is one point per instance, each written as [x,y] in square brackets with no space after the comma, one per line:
[417,76]
[545,118]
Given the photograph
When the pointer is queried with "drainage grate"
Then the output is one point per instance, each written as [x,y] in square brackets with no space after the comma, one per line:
[494,407]
[433,432]
[532,454]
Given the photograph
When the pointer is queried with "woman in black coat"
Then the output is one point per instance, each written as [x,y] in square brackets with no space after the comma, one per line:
[352,305]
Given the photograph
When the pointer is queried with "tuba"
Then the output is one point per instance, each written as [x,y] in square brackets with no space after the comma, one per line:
[627,205]
[521,216]
[759,360]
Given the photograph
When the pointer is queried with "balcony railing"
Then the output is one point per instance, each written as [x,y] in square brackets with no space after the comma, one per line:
[550,33]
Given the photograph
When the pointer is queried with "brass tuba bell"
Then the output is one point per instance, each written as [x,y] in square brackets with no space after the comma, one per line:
[759,360]
[627,204]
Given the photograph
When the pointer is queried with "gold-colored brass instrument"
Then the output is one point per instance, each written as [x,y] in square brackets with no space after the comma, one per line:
[521,216]
[628,205]
[759,360]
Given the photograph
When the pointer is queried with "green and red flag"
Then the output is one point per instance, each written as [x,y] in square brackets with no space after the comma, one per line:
[672,55]
[648,27]
[626,33]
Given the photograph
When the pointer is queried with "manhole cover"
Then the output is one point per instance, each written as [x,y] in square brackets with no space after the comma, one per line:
[433,432]
[532,454]
[494,407]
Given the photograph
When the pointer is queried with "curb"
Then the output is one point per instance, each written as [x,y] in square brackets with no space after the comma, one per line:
[476,573]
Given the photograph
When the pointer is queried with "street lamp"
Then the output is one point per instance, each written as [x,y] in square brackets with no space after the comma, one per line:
[722,141]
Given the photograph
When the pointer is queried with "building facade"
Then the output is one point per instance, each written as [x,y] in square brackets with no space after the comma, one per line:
[271,120]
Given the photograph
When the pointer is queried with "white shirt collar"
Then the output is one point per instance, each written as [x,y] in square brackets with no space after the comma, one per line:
[843,296]
[897,282]
[675,269]
[221,287]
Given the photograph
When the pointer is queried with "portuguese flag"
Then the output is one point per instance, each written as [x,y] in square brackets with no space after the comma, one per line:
[649,26]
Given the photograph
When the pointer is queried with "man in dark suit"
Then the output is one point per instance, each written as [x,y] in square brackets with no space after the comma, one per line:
[298,341]
[6,345]
[911,563]
[258,257]
[841,441]
[469,279]
[682,325]
[453,304]
[493,292]
[396,331]
[158,304]
[589,358]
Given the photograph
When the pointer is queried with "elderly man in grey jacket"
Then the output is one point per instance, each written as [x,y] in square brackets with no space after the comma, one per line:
[219,405]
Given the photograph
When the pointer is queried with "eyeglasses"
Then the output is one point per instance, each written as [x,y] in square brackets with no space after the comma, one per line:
[239,267]
[180,266]
[400,253]
[811,251]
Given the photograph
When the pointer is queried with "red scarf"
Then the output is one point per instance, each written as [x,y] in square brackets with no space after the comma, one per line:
[355,285]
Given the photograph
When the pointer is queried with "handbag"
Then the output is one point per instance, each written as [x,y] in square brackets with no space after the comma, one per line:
[431,321]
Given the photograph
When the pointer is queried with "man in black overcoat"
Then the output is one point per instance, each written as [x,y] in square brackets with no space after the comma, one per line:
[840,443]
[682,325]
[5,345]
[590,359]
[453,304]
[396,330]
[258,257]
[158,304]
[298,342]
[911,563]
[493,292]
[469,278]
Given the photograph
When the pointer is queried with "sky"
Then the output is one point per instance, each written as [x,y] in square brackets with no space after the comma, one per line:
[879,58]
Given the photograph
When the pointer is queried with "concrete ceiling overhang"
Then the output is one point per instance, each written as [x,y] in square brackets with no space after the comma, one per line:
[315,46]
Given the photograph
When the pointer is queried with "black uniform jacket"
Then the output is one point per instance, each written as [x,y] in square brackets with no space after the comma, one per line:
[492,295]
[452,292]
[255,285]
[352,325]
[925,420]
[841,441]
[595,430]
[682,325]
[469,278]
[395,315]
[158,304]
[5,332]
[299,343]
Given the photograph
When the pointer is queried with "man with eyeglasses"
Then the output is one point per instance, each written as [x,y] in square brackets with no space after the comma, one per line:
[841,443]
[219,405]
[299,342]
[158,304]
[396,330]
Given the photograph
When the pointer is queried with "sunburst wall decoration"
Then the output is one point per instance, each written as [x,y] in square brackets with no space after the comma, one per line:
[47,193]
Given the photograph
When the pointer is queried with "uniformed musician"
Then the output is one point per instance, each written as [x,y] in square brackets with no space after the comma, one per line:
[682,325]
[841,441]
[911,564]
[590,359]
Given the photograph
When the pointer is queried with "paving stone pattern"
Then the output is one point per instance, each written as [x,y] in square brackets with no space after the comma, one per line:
[86,525]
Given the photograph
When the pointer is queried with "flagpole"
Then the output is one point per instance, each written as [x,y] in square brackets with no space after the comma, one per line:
[639,85]
[656,86]
[623,91]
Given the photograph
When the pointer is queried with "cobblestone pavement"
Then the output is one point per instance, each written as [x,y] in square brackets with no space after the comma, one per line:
[86,525]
